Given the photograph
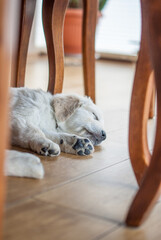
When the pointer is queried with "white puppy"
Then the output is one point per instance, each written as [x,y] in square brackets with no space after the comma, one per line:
[48,124]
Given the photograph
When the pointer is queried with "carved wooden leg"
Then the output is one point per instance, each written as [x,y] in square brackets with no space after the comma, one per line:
[19,61]
[53,22]
[7,23]
[151,185]
[140,104]
[152,104]
[89,26]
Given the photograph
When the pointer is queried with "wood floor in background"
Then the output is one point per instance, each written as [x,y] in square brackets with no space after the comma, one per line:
[83,198]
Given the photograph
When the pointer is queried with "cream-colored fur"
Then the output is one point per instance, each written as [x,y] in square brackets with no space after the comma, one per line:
[49,124]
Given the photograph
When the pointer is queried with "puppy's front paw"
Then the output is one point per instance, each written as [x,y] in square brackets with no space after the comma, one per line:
[51,149]
[83,147]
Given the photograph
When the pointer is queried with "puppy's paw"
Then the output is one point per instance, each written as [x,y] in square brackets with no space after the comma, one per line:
[76,145]
[83,147]
[23,165]
[35,169]
[51,149]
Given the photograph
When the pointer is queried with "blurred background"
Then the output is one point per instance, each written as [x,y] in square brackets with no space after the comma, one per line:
[117,34]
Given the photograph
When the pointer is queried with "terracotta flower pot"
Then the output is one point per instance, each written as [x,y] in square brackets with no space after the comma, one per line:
[73,31]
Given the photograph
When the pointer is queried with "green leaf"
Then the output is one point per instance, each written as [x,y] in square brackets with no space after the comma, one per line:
[102,4]
[78,4]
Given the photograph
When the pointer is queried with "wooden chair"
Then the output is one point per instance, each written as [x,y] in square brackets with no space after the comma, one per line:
[53,12]
[147,168]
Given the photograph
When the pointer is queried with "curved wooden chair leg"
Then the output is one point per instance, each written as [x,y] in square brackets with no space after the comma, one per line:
[19,63]
[152,104]
[47,10]
[53,13]
[88,41]
[151,185]
[140,104]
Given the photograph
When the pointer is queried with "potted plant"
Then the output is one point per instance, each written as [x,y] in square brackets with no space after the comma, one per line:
[73,26]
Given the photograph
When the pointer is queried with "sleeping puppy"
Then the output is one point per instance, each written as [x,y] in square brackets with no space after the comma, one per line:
[48,124]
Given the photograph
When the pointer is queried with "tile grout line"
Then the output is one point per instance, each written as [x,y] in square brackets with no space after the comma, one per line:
[106,233]
[79,178]
[84,176]
[85,213]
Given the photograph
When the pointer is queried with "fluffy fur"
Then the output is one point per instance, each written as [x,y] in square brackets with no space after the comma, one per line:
[48,124]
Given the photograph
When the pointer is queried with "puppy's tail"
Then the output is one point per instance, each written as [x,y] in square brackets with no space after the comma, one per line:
[22,164]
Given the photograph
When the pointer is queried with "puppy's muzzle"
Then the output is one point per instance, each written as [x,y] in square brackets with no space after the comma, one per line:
[99,138]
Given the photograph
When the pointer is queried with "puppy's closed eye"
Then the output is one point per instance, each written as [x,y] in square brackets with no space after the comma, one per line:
[95,116]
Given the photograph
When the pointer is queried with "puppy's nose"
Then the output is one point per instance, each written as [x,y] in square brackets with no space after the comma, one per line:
[103,135]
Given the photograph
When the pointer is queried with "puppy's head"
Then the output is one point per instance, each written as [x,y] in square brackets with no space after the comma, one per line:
[79,115]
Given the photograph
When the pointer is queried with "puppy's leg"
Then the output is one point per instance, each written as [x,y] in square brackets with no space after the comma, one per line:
[34,139]
[70,143]
[23,165]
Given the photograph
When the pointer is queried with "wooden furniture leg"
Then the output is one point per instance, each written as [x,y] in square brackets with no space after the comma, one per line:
[53,13]
[88,39]
[151,183]
[152,104]
[140,105]
[7,23]
[20,58]
[4,78]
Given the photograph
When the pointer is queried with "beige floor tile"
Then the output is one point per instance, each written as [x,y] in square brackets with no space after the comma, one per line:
[106,193]
[148,231]
[35,220]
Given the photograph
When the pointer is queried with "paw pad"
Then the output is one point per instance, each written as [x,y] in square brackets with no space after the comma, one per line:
[79,144]
[87,152]
[86,140]
[80,153]
[83,147]
[46,151]
[52,152]
[89,147]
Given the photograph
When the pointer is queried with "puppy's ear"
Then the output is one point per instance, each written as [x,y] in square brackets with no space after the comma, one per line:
[64,106]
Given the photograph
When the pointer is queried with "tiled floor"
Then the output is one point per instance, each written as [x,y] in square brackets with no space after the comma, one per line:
[83,198]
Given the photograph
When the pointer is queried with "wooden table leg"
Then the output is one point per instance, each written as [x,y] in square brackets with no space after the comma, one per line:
[20,57]
[89,26]
[140,105]
[53,22]
[151,184]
